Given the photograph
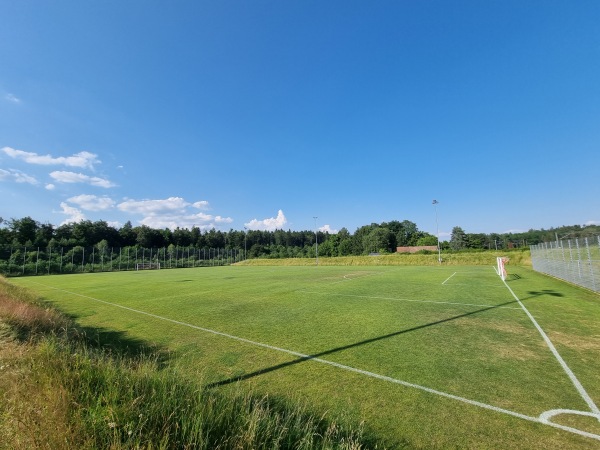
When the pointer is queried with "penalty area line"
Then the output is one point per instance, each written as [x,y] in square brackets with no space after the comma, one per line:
[444,282]
[541,420]
[396,299]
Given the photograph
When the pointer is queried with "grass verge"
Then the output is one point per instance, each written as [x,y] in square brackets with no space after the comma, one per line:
[518,257]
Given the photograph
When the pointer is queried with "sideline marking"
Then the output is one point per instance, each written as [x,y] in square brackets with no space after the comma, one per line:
[449,278]
[582,392]
[542,419]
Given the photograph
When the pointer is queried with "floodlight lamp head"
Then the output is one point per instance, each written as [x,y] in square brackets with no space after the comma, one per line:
[435,202]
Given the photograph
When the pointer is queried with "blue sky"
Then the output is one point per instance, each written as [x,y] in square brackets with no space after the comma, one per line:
[265,114]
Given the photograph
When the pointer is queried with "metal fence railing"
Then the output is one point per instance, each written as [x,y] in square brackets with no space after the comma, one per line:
[19,261]
[574,260]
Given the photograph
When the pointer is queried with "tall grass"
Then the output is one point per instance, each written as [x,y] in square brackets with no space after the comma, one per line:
[61,392]
[518,257]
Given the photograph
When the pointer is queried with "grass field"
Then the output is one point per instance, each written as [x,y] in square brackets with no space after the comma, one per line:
[427,357]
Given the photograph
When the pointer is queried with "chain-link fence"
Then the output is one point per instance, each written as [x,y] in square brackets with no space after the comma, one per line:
[19,261]
[574,260]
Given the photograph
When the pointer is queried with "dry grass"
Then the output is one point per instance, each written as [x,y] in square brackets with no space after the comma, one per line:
[463,258]
[21,311]
[35,408]
[29,397]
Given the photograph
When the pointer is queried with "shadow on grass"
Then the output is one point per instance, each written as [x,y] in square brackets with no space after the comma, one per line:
[122,344]
[64,326]
[535,294]
[349,346]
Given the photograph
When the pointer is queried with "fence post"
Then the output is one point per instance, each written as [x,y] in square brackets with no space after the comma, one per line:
[578,257]
[590,263]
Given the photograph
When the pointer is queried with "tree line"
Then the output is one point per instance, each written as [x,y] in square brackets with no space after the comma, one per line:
[384,237]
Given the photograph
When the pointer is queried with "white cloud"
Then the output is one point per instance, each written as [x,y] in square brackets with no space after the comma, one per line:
[327,229]
[189,221]
[201,205]
[172,212]
[271,224]
[71,177]
[592,222]
[81,159]
[153,207]
[50,187]
[75,215]
[17,176]
[12,98]
[223,220]
[92,202]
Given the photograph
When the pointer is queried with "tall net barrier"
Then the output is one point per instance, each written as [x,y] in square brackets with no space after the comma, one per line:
[22,261]
[574,260]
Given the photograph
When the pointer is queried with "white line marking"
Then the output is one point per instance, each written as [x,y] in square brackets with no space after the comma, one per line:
[349,277]
[568,371]
[449,277]
[372,297]
[547,415]
[347,368]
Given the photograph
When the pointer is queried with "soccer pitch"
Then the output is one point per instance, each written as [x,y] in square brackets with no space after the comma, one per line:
[425,356]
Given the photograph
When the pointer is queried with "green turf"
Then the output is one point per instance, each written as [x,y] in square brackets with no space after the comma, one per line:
[458,331]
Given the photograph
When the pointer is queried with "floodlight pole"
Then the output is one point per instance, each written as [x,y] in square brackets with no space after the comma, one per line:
[435,202]
[316,241]
[245,234]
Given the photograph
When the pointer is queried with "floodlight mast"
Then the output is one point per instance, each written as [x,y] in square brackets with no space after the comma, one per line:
[316,242]
[435,202]
[245,235]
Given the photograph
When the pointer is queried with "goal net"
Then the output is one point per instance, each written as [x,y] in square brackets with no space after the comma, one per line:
[501,262]
[147,266]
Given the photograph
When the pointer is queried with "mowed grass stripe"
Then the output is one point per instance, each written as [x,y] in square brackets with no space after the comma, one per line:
[492,356]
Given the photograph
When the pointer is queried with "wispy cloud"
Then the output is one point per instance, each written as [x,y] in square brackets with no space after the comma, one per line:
[62,176]
[74,214]
[271,224]
[81,159]
[92,202]
[17,176]
[12,98]
[153,207]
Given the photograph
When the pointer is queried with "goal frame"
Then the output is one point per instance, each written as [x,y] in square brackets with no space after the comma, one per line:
[501,262]
[147,266]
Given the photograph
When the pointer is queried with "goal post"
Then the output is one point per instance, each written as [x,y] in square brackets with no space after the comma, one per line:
[147,266]
[501,261]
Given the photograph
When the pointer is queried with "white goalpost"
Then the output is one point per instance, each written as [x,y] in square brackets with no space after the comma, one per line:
[147,266]
[501,261]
